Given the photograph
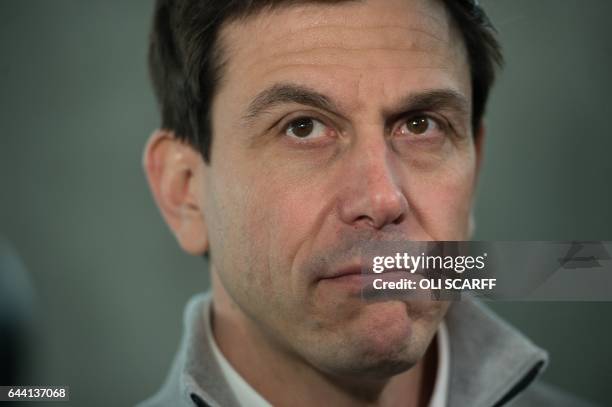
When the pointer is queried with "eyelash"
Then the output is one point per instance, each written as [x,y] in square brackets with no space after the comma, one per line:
[438,121]
[402,119]
[287,124]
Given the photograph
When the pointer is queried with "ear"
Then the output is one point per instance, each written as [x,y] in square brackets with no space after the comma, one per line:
[479,141]
[175,172]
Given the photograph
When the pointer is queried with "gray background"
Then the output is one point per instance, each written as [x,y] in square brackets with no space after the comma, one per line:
[111,283]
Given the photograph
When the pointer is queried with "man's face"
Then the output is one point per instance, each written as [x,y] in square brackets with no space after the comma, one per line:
[334,124]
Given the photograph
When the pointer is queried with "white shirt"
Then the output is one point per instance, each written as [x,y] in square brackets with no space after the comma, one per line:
[248,397]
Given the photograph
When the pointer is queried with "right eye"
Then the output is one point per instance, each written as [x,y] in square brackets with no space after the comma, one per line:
[306,128]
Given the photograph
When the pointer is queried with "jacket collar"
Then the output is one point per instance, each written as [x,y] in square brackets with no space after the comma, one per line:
[195,378]
[491,362]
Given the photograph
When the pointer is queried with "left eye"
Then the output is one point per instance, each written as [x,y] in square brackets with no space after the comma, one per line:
[305,127]
[418,126]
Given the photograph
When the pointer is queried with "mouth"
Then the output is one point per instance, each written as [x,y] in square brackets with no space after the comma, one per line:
[356,277]
[350,278]
[349,271]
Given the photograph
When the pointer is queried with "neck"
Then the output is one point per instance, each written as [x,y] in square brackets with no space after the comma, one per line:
[284,378]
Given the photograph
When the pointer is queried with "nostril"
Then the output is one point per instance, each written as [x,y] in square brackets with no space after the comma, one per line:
[399,219]
[364,219]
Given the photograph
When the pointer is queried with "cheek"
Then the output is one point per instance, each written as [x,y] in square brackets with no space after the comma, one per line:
[294,215]
[235,220]
[265,217]
[442,199]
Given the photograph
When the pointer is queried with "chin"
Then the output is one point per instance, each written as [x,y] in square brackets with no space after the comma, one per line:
[384,341]
[380,369]
[364,361]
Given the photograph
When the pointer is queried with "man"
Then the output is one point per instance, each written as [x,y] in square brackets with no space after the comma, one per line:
[292,131]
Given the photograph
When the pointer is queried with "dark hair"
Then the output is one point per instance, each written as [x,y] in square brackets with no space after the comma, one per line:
[185,59]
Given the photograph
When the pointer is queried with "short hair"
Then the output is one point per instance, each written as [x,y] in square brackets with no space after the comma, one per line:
[185,59]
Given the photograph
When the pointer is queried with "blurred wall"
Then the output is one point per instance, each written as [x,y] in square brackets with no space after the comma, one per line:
[76,109]
[548,167]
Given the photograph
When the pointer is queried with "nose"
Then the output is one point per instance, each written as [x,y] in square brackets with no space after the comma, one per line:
[372,193]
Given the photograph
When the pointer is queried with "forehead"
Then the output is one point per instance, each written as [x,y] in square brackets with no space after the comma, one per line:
[349,50]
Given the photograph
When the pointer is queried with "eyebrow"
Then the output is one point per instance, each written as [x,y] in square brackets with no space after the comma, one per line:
[287,93]
[282,93]
[435,99]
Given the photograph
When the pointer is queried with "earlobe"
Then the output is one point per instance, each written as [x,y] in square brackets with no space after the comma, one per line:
[174,171]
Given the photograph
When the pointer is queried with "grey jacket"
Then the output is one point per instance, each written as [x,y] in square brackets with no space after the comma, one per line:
[491,364]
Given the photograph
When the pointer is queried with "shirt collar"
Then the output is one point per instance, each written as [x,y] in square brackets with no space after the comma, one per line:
[439,395]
